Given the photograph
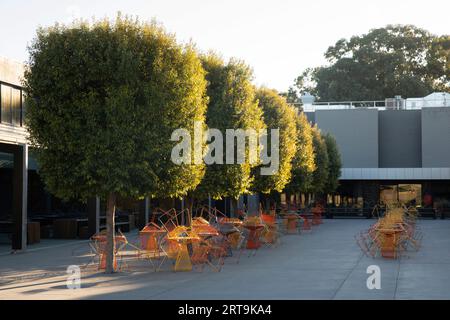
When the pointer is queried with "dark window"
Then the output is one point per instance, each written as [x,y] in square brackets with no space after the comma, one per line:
[11,105]
[6,104]
[16,106]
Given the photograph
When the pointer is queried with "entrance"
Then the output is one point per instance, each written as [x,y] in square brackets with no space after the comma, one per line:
[407,194]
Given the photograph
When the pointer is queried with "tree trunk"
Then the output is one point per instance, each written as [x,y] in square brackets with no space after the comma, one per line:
[288,200]
[234,203]
[110,233]
[189,200]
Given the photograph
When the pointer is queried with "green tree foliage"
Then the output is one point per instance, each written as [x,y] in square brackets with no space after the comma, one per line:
[232,105]
[320,175]
[104,99]
[303,164]
[334,164]
[277,115]
[395,60]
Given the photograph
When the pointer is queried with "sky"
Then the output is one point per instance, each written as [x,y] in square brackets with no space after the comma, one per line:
[277,38]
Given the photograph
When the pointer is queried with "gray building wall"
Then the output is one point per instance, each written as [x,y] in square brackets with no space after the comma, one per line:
[436,137]
[356,133]
[311,116]
[400,139]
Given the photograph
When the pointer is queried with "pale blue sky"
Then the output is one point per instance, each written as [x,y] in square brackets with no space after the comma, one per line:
[277,38]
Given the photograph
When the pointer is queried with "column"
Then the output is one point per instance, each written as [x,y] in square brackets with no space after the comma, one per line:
[20,197]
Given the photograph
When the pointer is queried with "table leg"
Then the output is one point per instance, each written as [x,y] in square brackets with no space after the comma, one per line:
[151,243]
[388,248]
[253,241]
[183,262]
[292,225]
[102,264]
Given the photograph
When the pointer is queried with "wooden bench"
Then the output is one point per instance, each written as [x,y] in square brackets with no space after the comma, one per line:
[65,228]
[33,232]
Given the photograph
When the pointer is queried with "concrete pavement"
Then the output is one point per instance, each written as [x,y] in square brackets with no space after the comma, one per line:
[323,264]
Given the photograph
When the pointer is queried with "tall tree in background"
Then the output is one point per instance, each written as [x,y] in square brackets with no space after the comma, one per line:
[103,101]
[277,115]
[334,164]
[320,175]
[395,60]
[303,164]
[232,105]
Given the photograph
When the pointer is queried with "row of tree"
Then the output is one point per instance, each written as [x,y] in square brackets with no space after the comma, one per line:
[104,99]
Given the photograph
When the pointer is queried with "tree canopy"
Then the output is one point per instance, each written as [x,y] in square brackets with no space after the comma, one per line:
[232,105]
[320,175]
[394,60]
[303,163]
[334,164]
[103,101]
[277,115]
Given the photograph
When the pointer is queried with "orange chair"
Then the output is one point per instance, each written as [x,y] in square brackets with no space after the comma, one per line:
[306,222]
[317,215]
[270,233]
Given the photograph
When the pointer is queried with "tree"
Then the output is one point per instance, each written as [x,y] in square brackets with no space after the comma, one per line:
[334,164]
[291,95]
[320,175]
[395,60]
[438,62]
[277,115]
[303,164]
[232,105]
[103,100]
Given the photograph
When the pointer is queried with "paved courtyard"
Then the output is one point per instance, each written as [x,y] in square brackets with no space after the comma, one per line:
[323,264]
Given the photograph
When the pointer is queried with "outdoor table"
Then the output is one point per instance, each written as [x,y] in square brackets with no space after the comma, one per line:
[271,231]
[203,229]
[390,237]
[232,221]
[150,237]
[291,223]
[206,232]
[316,215]
[306,220]
[232,233]
[101,239]
[183,260]
[253,238]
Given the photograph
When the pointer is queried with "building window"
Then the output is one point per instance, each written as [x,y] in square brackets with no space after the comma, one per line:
[11,105]
[6,104]
[407,194]
[410,194]
[389,194]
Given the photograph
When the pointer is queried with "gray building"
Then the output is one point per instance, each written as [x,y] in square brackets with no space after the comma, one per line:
[390,149]
[13,154]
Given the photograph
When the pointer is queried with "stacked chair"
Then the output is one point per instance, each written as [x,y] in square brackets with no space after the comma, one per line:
[392,235]
[202,239]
